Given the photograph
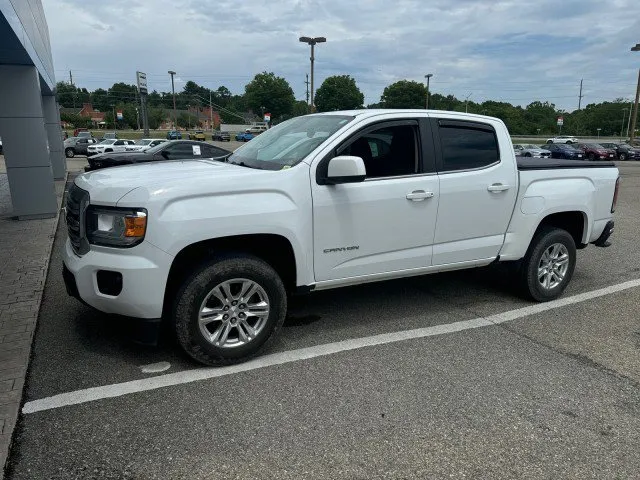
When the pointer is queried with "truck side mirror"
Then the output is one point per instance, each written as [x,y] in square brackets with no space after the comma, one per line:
[345,169]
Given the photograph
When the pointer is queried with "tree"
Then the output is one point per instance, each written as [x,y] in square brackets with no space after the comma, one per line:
[100,100]
[268,93]
[404,94]
[156,116]
[76,120]
[69,96]
[338,92]
[301,107]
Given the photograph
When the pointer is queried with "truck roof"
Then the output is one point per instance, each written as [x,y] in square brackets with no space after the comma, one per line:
[372,112]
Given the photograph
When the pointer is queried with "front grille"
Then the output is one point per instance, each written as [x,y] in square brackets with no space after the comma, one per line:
[77,202]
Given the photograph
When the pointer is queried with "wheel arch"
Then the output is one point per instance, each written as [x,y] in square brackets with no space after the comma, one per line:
[274,249]
[575,222]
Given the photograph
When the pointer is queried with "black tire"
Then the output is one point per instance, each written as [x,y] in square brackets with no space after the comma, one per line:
[69,153]
[108,150]
[568,142]
[549,142]
[528,272]
[528,154]
[622,156]
[591,157]
[195,289]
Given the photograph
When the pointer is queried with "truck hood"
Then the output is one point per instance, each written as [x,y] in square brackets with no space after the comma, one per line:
[108,186]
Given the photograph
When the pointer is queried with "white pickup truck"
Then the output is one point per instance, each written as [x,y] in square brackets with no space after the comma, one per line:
[215,246]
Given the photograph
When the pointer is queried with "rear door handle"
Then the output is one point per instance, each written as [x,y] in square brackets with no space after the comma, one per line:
[498,187]
[419,195]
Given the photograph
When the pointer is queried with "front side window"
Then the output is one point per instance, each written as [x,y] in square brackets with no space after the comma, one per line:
[466,147]
[386,152]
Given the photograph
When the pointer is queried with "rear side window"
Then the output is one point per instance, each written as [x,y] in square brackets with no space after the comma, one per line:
[467,146]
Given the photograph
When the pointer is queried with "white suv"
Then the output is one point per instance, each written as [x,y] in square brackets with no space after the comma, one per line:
[563,139]
[108,146]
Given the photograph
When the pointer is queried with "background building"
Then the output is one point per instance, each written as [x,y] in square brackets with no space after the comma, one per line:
[29,116]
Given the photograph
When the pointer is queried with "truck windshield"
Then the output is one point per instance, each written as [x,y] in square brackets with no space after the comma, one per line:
[289,143]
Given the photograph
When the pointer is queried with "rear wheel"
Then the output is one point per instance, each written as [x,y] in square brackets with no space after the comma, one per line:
[69,153]
[549,141]
[547,268]
[528,154]
[227,311]
[568,142]
[591,156]
[623,156]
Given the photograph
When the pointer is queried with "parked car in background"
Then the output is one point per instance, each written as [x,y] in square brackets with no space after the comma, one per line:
[561,150]
[563,139]
[172,150]
[77,131]
[245,136]
[85,134]
[107,146]
[109,136]
[624,151]
[221,136]
[144,144]
[78,146]
[530,150]
[174,135]
[197,135]
[595,151]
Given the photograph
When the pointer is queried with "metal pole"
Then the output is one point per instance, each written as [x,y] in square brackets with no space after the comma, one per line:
[635,110]
[307,84]
[580,95]
[428,77]
[145,115]
[624,113]
[175,112]
[210,111]
[312,60]
[629,119]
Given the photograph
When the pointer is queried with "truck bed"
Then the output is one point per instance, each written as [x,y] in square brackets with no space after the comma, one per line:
[531,163]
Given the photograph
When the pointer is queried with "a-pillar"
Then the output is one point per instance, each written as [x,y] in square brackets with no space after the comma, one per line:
[25,143]
[54,134]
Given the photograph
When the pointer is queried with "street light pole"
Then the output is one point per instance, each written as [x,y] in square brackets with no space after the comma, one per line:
[312,42]
[114,117]
[466,101]
[173,90]
[428,77]
[635,105]
[624,114]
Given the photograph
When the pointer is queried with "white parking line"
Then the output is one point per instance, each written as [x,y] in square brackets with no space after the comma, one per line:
[188,376]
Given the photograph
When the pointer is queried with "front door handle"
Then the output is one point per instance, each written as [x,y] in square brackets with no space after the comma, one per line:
[498,187]
[419,195]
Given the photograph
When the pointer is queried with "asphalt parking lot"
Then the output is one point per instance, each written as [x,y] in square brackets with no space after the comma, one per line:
[554,394]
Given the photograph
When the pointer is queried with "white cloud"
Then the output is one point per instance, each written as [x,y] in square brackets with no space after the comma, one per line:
[512,50]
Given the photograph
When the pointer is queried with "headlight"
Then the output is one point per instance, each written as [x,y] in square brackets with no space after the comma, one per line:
[116,227]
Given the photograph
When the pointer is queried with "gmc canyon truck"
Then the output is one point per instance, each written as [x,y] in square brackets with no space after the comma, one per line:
[215,246]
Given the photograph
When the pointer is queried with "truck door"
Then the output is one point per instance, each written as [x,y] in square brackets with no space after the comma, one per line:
[478,188]
[385,223]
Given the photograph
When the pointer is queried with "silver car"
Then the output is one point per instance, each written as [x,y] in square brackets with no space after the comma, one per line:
[530,150]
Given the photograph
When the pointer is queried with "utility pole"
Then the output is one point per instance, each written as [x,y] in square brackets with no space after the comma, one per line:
[466,100]
[635,106]
[175,112]
[307,84]
[624,113]
[629,119]
[634,115]
[210,111]
[580,95]
[70,78]
[312,42]
[428,77]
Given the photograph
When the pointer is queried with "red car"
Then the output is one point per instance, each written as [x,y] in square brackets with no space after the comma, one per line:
[594,151]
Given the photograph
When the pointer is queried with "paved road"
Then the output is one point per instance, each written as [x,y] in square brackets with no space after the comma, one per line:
[549,395]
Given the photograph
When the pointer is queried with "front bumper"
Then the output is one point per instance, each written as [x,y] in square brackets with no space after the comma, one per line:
[144,269]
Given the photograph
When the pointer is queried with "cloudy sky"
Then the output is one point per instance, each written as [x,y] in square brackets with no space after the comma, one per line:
[510,50]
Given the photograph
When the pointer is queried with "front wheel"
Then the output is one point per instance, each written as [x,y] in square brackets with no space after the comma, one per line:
[547,268]
[228,309]
[623,156]
[69,153]
[568,142]
[549,142]
[527,154]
